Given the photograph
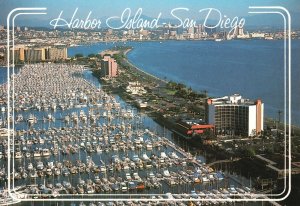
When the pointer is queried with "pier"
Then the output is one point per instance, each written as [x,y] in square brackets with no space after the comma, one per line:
[223,161]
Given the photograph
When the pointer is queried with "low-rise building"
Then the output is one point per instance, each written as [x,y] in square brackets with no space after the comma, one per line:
[34,54]
[135,88]
[37,54]
[57,53]
[190,128]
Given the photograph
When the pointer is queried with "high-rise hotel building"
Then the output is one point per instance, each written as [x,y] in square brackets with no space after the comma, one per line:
[234,115]
[109,67]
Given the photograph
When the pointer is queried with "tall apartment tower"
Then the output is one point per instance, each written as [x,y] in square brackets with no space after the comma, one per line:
[109,67]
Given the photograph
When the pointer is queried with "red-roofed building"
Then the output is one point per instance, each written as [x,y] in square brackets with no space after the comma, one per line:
[192,128]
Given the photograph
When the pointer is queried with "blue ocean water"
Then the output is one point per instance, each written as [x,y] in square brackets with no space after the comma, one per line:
[253,68]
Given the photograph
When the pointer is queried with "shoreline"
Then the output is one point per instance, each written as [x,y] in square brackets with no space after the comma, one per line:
[139,69]
[216,156]
[125,100]
[3,64]
[165,40]
[266,119]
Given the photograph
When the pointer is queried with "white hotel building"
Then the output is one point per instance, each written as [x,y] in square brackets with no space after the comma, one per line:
[233,115]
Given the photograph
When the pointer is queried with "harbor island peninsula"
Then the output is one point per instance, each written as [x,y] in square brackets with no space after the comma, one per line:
[73,138]
[99,125]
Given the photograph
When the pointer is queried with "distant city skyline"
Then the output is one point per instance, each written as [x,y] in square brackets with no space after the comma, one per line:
[104,8]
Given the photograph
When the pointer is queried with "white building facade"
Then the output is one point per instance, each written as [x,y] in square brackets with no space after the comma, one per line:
[233,115]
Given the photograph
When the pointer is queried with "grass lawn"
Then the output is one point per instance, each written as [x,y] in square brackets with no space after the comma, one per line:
[168,91]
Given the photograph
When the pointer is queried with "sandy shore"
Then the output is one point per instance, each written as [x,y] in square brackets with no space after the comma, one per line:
[140,70]
[112,52]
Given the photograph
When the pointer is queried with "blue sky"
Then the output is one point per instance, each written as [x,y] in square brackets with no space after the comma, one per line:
[105,8]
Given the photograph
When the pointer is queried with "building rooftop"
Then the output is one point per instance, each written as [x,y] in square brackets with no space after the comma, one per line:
[235,99]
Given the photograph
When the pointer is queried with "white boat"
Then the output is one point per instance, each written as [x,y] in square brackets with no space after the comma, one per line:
[149,146]
[24,175]
[74,45]
[90,189]
[50,118]
[46,152]
[49,172]
[18,155]
[67,118]
[135,158]
[166,173]
[163,155]
[205,179]
[36,153]
[232,189]
[239,190]
[66,184]
[41,141]
[40,166]
[102,168]
[211,177]
[123,187]
[4,132]
[75,117]
[50,164]
[19,118]
[57,171]
[31,119]
[142,104]
[27,154]
[30,166]
[33,173]
[137,141]
[219,176]
[115,159]
[151,175]
[247,189]
[173,155]
[99,149]
[136,176]
[53,106]
[145,157]
[128,176]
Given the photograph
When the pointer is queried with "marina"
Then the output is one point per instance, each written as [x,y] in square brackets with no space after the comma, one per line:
[72,139]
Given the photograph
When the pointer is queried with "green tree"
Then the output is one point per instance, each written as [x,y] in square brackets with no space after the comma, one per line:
[91,55]
[79,55]
[180,86]
[249,152]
